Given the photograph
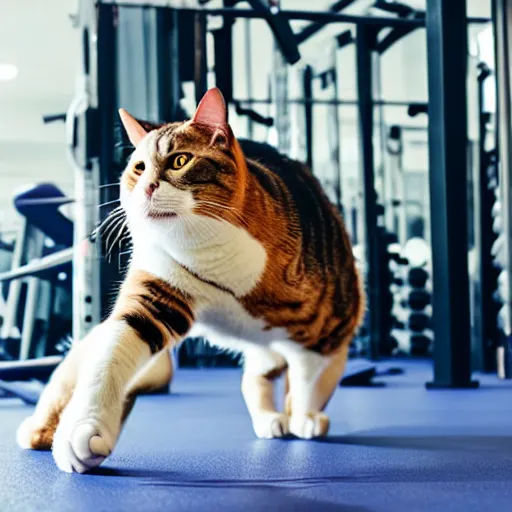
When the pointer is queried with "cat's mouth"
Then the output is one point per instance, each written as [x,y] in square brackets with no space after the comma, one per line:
[156,214]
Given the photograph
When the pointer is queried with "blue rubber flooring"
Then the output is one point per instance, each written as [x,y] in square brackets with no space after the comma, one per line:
[391,449]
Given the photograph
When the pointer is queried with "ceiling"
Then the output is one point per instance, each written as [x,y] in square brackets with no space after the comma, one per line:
[38,37]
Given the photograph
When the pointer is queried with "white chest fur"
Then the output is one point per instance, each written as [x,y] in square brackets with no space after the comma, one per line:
[217,252]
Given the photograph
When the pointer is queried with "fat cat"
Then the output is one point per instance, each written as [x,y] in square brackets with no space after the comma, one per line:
[233,242]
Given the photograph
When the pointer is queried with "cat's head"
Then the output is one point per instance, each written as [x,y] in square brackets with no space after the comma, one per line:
[184,169]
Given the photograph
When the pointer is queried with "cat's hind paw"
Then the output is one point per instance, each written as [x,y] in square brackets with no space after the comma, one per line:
[32,436]
[270,424]
[308,426]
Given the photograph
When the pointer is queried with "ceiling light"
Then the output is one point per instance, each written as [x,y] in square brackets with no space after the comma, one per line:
[8,71]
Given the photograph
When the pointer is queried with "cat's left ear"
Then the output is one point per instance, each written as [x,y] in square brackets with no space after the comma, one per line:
[212,112]
[136,130]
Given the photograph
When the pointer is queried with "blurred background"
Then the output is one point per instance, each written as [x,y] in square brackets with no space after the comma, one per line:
[66,67]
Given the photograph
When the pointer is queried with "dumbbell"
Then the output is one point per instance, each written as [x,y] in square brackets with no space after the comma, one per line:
[420,344]
[418,277]
[418,322]
[397,324]
[418,299]
[504,319]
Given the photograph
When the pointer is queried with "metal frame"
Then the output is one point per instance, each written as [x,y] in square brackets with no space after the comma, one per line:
[365,44]
[485,311]
[316,16]
[447,63]
[502,14]
[447,151]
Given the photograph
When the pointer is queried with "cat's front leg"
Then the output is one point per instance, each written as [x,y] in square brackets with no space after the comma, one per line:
[148,316]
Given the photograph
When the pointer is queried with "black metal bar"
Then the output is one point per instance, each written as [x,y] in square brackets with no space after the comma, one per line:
[200,54]
[300,101]
[487,279]
[393,7]
[313,28]
[365,41]
[104,129]
[321,16]
[447,56]
[392,37]
[280,27]
[307,84]
[165,75]
[51,118]
[174,64]
[344,39]
[223,49]
[502,14]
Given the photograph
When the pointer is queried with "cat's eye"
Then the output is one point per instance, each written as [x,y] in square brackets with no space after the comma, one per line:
[179,161]
[140,166]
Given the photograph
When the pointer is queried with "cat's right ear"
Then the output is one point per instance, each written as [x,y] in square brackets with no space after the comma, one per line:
[135,130]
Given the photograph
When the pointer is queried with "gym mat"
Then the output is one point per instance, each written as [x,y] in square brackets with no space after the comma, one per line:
[397,448]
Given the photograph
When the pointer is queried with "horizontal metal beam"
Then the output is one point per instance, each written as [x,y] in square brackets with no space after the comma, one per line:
[35,267]
[302,101]
[319,16]
[315,27]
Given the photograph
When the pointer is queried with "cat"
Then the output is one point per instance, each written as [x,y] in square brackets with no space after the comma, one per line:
[233,242]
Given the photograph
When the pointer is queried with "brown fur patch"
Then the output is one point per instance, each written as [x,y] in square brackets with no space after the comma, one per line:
[159,313]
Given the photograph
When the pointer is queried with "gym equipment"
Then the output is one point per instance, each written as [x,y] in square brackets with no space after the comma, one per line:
[418,277]
[97,166]
[502,10]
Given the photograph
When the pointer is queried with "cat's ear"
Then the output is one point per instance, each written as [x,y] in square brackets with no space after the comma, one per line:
[212,112]
[135,130]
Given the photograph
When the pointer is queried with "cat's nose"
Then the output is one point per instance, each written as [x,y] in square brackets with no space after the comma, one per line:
[151,187]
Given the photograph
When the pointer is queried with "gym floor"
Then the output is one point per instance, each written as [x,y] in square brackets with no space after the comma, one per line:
[391,449]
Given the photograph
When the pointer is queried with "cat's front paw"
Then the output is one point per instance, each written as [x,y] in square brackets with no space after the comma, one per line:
[308,426]
[82,441]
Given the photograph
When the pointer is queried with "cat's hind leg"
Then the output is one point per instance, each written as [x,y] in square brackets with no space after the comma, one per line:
[36,432]
[155,375]
[261,368]
[311,380]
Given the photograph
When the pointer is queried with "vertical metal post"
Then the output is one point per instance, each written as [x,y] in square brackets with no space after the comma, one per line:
[83,134]
[109,88]
[175,79]
[447,66]
[485,315]
[248,71]
[307,87]
[502,14]
[35,246]
[365,39]
[14,293]
[280,94]
[333,131]
[200,61]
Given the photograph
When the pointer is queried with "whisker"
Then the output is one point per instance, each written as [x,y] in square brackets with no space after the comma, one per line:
[217,205]
[120,233]
[119,224]
[106,185]
[207,209]
[108,203]
[113,215]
